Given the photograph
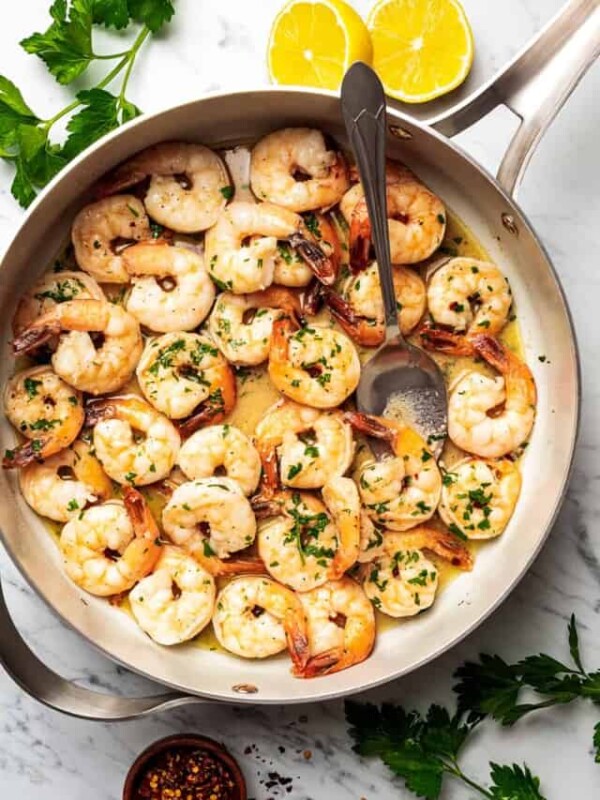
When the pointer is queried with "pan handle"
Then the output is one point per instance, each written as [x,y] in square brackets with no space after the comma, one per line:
[63,695]
[535,85]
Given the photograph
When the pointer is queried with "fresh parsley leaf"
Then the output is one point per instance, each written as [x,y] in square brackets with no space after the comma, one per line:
[597,742]
[99,116]
[112,13]
[422,750]
[41,159]
[153,13]
[514,783]
[422,775]
[489,687]
[66,46]
[14,112]
[22,187]
[492,686]
[393,734]
[443,734]
[129,111]
[574,642]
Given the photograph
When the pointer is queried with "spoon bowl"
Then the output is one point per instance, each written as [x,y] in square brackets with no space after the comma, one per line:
[400,381]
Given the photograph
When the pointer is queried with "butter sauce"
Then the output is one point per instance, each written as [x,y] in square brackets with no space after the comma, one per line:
[256,393]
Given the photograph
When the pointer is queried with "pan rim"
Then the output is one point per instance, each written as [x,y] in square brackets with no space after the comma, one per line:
[310,694]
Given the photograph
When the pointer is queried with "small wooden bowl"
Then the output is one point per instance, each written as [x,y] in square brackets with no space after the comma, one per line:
[184,741]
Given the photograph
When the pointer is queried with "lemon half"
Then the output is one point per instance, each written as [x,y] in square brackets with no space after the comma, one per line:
[422,49]
[313,42]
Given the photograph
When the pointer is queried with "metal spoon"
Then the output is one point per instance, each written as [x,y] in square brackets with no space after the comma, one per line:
[398,369]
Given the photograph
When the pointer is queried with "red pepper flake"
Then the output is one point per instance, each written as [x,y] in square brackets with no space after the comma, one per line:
[186,774]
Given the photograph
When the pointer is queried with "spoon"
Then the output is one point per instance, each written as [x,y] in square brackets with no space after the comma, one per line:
[398,370]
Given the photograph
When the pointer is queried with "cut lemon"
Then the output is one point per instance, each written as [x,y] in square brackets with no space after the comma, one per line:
[313,42]
[421,48]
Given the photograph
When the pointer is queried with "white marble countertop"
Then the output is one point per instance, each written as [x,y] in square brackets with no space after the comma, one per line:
[216,44]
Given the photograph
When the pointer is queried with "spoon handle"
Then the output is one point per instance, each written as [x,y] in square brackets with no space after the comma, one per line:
[363,107]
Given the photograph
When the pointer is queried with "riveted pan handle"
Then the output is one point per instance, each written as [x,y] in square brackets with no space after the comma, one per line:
[535,85]
[63,695]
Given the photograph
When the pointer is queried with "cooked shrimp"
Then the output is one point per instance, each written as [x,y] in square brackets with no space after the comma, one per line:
[46,410]
[280,162]
[171,290]
[402,490]
[221,447]
[108,548]
[189,184]
[176,601]
[341,627]
[359,309]
[99,232]
[402,581]
[242,268]
[241,325]
[64,484]
[135,444]
[210,516]
[492,417]
[50,289]
[469,296]
[299,543]
[416,222]
[307,542]
[89,368]
[479,497]
[310,446]
[183,374]
[315,366]
[257,618]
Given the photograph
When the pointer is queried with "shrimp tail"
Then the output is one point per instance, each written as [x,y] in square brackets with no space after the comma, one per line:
[358,328]
[122,177]
[211,411]
[360,242]
[493,351]
[218,567]
[312,299]
[442,542]
[35,336]
[444,341]
[24,454]
[144,524]
[371,426]
[321,664]
[269,483]
[266,505]
[297,639]
[209,415]
[98,410]
[282,328]
[322,265]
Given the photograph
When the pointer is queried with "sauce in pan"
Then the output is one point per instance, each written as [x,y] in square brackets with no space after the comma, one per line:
[256,393]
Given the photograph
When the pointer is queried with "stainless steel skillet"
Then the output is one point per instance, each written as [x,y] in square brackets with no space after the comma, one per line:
[535,85]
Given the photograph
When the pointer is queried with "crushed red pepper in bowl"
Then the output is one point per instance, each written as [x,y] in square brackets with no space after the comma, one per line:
[185,767]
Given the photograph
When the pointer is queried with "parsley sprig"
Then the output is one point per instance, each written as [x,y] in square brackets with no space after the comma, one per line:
[424,749]
[493,687]
[66,47]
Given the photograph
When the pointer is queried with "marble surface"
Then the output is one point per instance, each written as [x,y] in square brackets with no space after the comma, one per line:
[44,756]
